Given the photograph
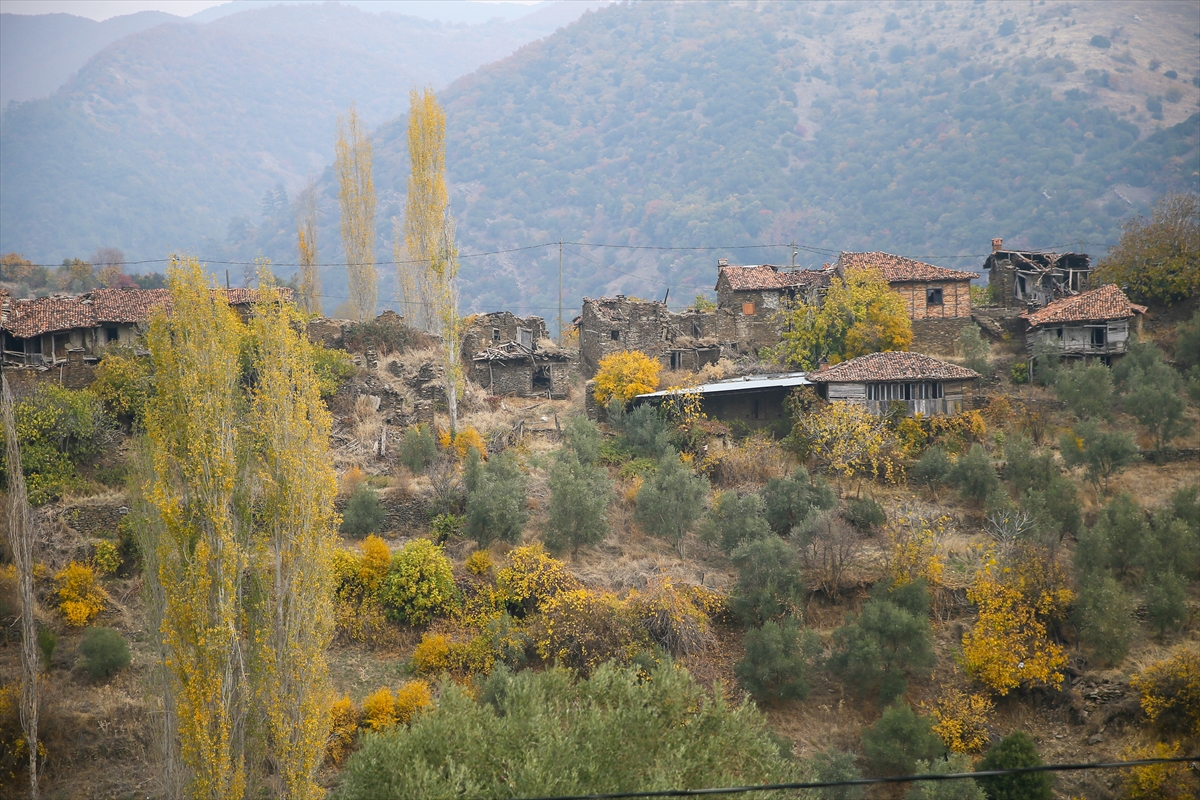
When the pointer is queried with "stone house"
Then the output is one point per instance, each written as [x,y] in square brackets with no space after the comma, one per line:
[614,324]
[44,330]
[498,327]
[1025,278]
[512,368]
[923,384]
[938,299]
[1094,323]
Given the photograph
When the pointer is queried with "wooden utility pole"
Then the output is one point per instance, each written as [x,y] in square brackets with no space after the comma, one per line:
[560,335]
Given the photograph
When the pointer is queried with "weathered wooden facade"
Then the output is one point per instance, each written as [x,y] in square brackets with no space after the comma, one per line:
[1092,324]
[1028,278]
[879,381]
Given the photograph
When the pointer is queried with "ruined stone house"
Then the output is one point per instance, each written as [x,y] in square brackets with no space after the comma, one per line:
[511,355]
[1091,324]
[498,327]
[1028,278]
[881,381]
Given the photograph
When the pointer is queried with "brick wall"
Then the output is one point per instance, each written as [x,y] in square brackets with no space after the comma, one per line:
[956,299]
[937,336]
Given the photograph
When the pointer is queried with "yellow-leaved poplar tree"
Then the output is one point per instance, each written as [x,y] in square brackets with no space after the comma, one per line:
[847,438]
[191,424]
[428,271]
[624,376]
[294,542]
[309,297]
[356,197]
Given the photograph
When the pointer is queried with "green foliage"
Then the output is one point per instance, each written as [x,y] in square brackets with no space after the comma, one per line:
[1019,373]
[932,469]
[582,436]
[1102,453]
[124,382]
[901,738]
[444,526]
[417,448]
[1027,468]
[1170,544]
[865,514]
[104,652]
[381,334]
[734,519]
[47,641]
[911,596]
[579,496]
[1015,750]
[646,432]
[1086,389]
[789,500]
[1104,615]
[879,649]
[496,509]
[976,352]
[1152,392]
[775,666]
[540,733]
[364,513]
[1166,599]
[1158,259]
[835,765]
[670,501]
[1115,542]
[419,584]
[769,583]
[1055,509]
[1045,364]
[963,789]
[57,428]
[1187,342]
[330,368]
[974,476]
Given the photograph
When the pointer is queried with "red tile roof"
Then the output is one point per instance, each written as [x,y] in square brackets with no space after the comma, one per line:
[896,366]
[1107,302]
[764,276]
[898,269]
[35,317]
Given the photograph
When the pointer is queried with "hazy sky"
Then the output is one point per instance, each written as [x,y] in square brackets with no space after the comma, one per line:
[103,9]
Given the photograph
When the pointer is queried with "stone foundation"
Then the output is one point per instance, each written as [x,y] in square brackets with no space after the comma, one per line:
[937,337]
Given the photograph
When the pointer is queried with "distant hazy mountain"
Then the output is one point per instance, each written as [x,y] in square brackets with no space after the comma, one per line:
[470,12]
[171,134]
[39,53]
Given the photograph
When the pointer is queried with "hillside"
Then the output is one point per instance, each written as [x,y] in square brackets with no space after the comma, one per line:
[167,134]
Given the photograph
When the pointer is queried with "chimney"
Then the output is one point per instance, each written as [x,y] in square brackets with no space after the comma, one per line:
[722,262]
[997,244]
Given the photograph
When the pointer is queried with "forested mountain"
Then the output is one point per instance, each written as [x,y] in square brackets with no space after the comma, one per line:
[167,134]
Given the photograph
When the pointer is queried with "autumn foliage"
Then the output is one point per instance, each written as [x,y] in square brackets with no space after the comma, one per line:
[624,376]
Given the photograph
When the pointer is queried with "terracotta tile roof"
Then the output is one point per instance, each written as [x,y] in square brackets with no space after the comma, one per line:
[28,318]
[765,276]
[898,269]
[898,366]
[1107,302]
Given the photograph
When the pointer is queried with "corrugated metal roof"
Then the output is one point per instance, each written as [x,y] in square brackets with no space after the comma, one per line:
[747,383]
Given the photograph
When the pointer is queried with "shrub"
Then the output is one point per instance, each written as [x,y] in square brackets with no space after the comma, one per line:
[757,459]
[580,629]
[775,666]
[671,616]
[1015,750]
[358,613]
[364,513]
[1170,545]
[834,765]
[1019,373]
[769,582]
[435,654]
[330,368]
[579,498]
[670,501]
[106,558]
[123,381]
[828,547]
[1153,393]
[1166,599]
[1086,389]
[445,526]
[962,789]
[56,427]
[496,508]
[80,595]
[877,650]
[974,476]
[538,733]
[419,584]
[1102,453]
[1170,691]
[412,698]
[379,710]
[344,719]
[1104,614]
[961,721]
[104,652]
[469,439]
[1159,781]
[900,739]
[1117,539]
[479,562]
[789,500]
[734,519]
[865,514]
[532,579]
[932,469]
[975,351]
[624,376]
[47,641]
[1054,509]
[418,448]
[582,436]
[646,432]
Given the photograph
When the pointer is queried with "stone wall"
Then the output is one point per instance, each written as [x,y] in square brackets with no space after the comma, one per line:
[73,374]
[956,299]
[98,520]
[488,330]
[937,336]
[611,325]
[329,332]
[1000,322]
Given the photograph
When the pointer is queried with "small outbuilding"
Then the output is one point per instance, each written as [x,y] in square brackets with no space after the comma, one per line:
[753,401]
[922,383]
[1094,323]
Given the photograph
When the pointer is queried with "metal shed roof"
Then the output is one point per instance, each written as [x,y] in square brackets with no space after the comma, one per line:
[747,383]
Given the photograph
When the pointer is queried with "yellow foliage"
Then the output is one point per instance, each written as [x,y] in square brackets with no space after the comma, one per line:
[671,616]
[358,614]
[356,199]
[479,562]
[1171,690]
[580,629]
[952,430]
[373,566]
[469,439]
[411,698]
[1158,781]
[757,459]
[631,488]
[434,655]
[961,720]
[379,710]
[849,439]
[999,411]
[106,559]
[532,577]
[351,479]
[444,439]
[1008,646]
[914,549]
[910,434]
[343,726]
[81,598]
[624,376]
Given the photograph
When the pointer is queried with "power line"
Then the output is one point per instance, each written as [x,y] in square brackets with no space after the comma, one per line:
[952,776]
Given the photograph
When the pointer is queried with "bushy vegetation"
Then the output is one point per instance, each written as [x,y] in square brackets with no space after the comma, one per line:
[417,448]
[900,739]
[1015,750]
[789,500]
[876,651]
[776,663]
[419,584]
[541,733]
[104,652]
[57,428]
[734,519]
[496,509]
[671,501]
[623,376]
[579,496]
[364,513]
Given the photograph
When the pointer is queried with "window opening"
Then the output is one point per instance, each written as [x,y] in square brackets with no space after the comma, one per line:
[933,297]
[1098,337]
[615,335]
[495,335]
[112,334]
[748,309]
[543,381]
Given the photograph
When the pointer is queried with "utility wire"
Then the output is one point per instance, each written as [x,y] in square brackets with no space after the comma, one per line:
[953,776]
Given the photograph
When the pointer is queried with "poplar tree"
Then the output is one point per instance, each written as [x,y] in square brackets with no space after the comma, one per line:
[356,196]
[310,282]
